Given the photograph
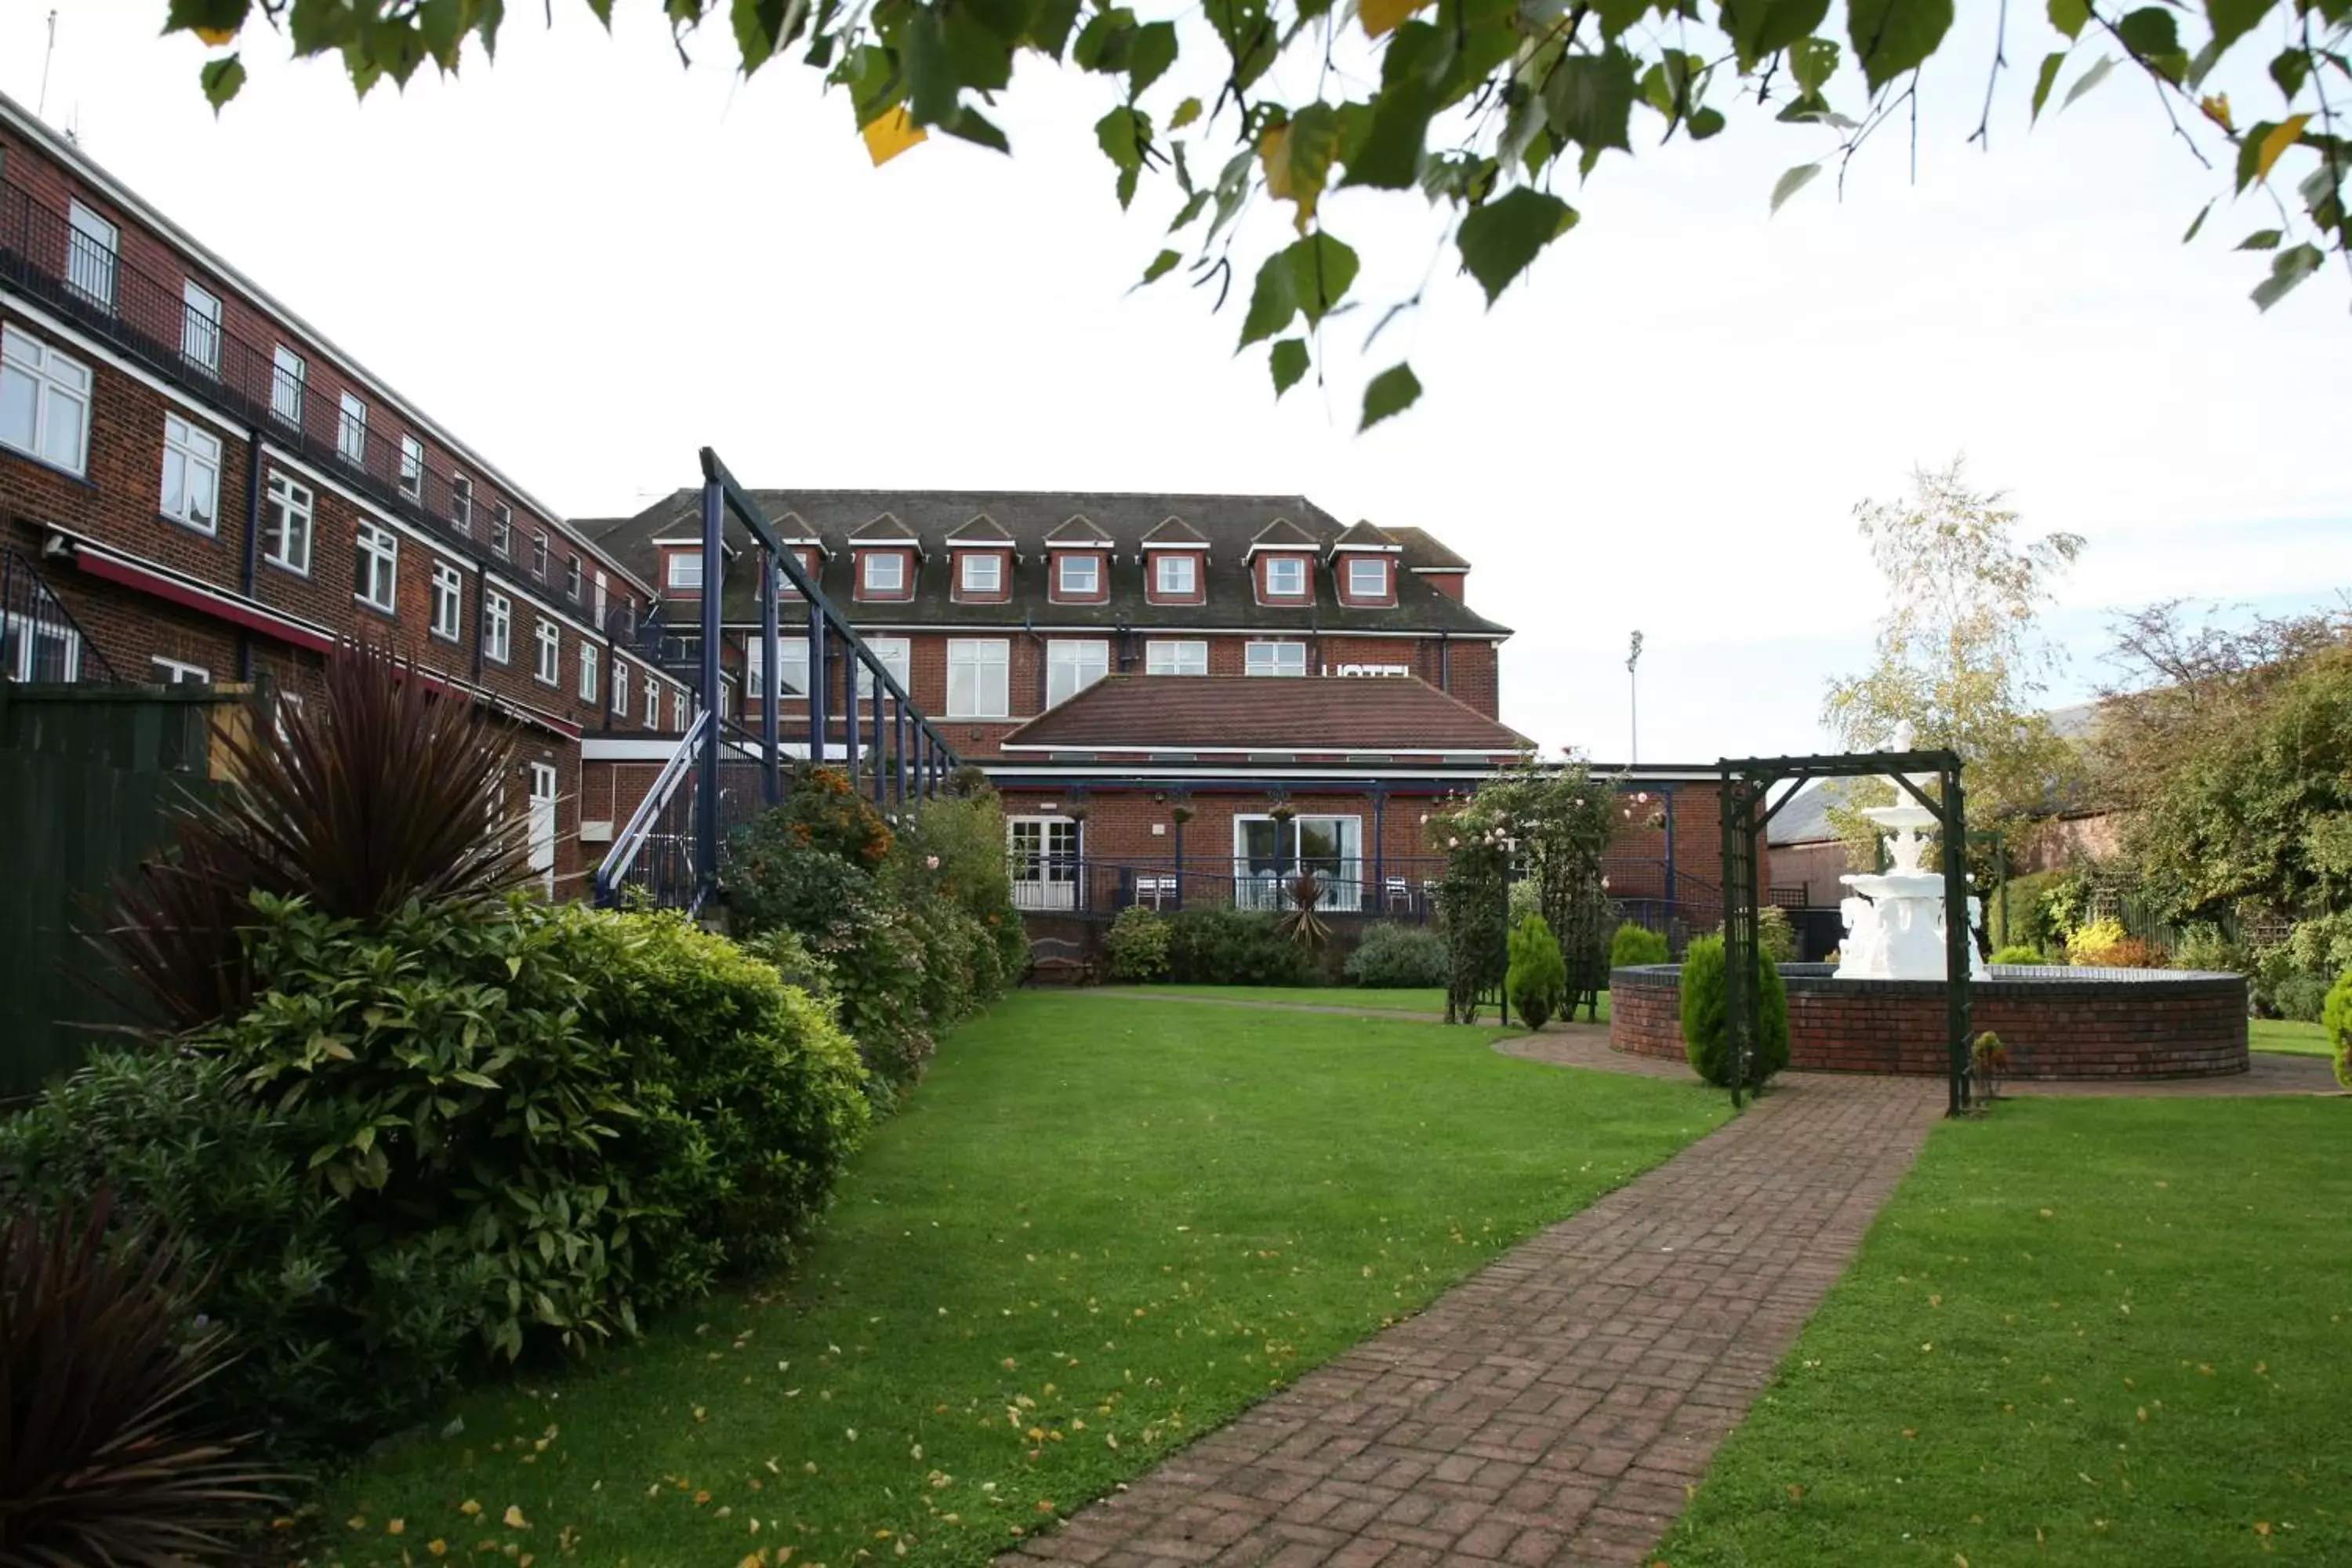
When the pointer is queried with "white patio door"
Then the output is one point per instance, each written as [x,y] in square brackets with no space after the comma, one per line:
[1044,862]
[542,824]
[1268,853]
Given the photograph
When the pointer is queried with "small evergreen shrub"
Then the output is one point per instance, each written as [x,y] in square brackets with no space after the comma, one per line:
[2204,946]
[1706,1018]
[2017,954]
[1232,947]
[2095,944]
[2335,1017]
[2298,996]
[1776,938]
[1536,981]
[1394,956]
[1634,945]
[1136,944]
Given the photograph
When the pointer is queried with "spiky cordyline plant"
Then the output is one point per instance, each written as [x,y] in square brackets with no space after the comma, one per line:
[100,1461]
[1300,922]
[390,787]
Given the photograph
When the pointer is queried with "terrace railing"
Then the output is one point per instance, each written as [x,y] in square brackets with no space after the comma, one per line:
[39,639]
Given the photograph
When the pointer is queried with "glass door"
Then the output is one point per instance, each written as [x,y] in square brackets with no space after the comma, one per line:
[1043,852]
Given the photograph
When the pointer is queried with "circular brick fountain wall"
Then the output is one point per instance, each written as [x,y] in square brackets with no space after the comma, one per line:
[2056,1023]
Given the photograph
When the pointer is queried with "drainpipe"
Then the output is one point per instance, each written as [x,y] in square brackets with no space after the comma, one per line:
[1445,661]
[250,569]
[1029,624]
[482,627]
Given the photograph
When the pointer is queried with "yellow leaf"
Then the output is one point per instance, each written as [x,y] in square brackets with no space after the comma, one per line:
[1384,16]
[213,38]
[2216,108]
[438,1547]
[890,134]
[470,1508]
[396,1527]
[2275,144]
[514,1519]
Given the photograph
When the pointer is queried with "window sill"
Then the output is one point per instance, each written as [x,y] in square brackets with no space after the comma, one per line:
[440,636]
[275,565]
[365,603]
[185,526]
[22,455]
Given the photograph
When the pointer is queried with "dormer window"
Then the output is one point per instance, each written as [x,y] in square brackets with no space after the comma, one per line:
[884,574]
[1286,577]
[984,573]
[1176,574]
[1368,577]
[685,571]
[1080,576]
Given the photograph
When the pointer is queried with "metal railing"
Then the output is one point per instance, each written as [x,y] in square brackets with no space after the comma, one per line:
[39,639]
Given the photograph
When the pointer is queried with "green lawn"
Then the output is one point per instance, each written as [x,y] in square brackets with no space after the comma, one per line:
[1100,1228]
[2085,1332]
[1431,1000]
[2288,1038]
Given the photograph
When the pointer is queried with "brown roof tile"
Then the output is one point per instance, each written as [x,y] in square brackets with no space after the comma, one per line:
[1240,712]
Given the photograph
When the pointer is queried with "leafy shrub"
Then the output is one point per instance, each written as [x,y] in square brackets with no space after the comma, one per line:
[2299,996]
[1776,939]
[2204,947]
[2091,944]
[1536,981]
[1526,899]
[2335,1017]
[1232,947]
[822,810]
[2016,953]
[1399,957]
[1136,944]
[1634,945]
[107,1458]
[1706,1018]
[965,833]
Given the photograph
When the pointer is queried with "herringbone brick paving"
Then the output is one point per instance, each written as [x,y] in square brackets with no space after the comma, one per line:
[1555,1407]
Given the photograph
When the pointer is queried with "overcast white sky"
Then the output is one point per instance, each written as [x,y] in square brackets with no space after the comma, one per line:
[590,261]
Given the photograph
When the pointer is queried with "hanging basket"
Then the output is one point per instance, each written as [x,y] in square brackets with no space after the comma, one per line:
[1179,815]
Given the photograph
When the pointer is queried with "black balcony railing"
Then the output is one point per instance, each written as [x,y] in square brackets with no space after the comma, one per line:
[39,639]
[181,336]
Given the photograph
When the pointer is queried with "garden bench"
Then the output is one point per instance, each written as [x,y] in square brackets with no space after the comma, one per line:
[1052,959]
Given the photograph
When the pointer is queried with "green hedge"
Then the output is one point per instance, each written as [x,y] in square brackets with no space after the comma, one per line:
[1634,945]
[1394,956]
[1232,947]
[1705,1015]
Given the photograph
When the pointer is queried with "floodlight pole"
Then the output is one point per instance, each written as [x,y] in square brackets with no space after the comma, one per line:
[1633,701]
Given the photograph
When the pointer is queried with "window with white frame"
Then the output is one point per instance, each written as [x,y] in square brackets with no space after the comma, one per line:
[200,327]
[677,709]
[93,247]
[653,702]
[286,523]
[1079,576]
[1176,655]
[1176,574]
[502,530]
[791,666]
[44,401]
[498,627]
[550,652]
[885,571]
[1269,853]
[979,678]
[686,568]
[897,656]
[1286,577]
[984,573]
[448,601]
[33,649]
[461,504]
[572,581]
[1274,658]
[539,555]
[587,671]
[376,573]
[412,467]
[286,375]
[179,672]
[191,474]
[1073,664]
[1368,577]
[621,686]
[600,596]
[350,431]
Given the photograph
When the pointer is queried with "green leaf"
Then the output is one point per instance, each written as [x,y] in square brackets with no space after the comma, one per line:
[1250,37]
[2070,16]
[1049,27]
[1274,300]
[1102,43]
[2152,35]
[930,80]
[1891,37]
[2087,80]
[2232,20]
[1186,113]
[1290,364]
[1162,266]
[221,80]
[2289,268]
[1392,391]
[756,24]
[1705,123]
[1813,61]
[2261,239]
[2197,223]
[970,125]
[1416,61]
[1590,99]
[1298,158]
[2290,69]
[1790,184]
[1148,55]
[981,60]
[1190,211]
[1763,28]
[1321,269]
[1121,137]
[1500,240]
[2048,78]
[207,17]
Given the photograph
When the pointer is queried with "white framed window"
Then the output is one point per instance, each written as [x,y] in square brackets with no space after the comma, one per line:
[539,554]
[885,571]
[1274,658]
[1177,656]
[44,401]
[600,597]
[178,672]
[984,573]
[653,702]
[191,474]
[286,523]
[93,247]
[350,431]
[200,327]
[289,708]
[587,671]
[461,504]
[550,667]
[621,686]
[35,649]
[287,374]
[502,530]
[1268,853]
[448,601]
[1043,855]
[412,467]
[1286,577]
[498,627]
[686,569]
[1368,577]
[979,672]
[897,656]
[1078,576]
[1177,574]
[572,581]
[677,709]
[541,836]
[791,666]
[1073,664]
[375,577]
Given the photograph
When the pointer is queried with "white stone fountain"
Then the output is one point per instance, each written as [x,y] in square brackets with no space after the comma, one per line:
[1894,918]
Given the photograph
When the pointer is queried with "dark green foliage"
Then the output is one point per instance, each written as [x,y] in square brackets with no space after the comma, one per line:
[1136,944]
[1776,938]
[1232,947]
[1707,1034]
[1634,945]
[103,1454]
[1537,979]
[1397,957]
[2335,1017]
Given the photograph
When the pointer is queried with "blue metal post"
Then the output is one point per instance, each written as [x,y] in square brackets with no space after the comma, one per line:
[850,668]
[817,673]
[898,751]
[771,678]
[881,783]
[706,815]
[1380,836]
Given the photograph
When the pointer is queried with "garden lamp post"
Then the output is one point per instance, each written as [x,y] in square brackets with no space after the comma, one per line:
[1633,703]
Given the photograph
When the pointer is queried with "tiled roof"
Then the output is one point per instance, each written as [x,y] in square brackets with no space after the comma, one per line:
[1227,522]
[883,529]
[1364,536]
[1078,530]
[982,529]
[1175,530]
[1239,712]
[1423,551]
[1284,534]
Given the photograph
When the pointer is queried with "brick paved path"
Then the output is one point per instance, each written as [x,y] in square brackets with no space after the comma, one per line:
[1556,1406]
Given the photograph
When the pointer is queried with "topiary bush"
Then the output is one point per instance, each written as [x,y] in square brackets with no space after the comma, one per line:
[1136,944]
[1394,956]
[2017,954]
[1634,945]
[1707,1034]
[2335,1017]
[1537,980]
[1232,947]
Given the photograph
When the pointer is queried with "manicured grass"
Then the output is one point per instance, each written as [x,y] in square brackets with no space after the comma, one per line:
[2288,1038]
[1102,1227]
[2083,1331]
[1431,1000]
